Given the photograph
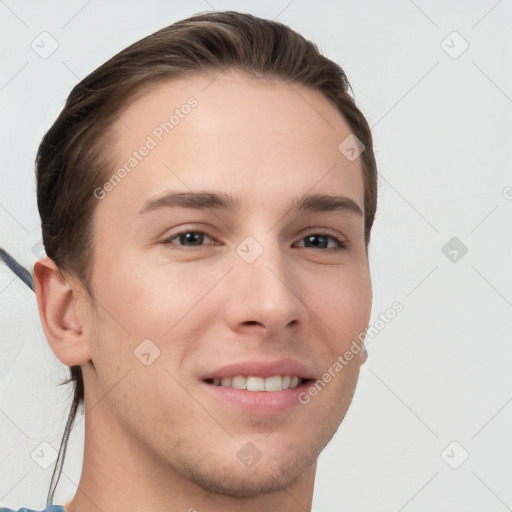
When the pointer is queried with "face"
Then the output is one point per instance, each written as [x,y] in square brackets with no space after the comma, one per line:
[212,266]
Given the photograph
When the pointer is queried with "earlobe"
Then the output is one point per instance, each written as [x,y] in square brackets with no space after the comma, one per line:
[57,302]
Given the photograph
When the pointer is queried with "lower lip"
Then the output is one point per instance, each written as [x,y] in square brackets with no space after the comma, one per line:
[259,402]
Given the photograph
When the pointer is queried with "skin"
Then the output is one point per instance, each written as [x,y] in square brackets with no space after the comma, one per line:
[154,438]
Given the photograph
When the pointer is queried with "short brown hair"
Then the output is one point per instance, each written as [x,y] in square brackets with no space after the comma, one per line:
[72,160]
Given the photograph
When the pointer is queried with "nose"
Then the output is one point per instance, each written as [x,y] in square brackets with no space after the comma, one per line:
[264,296]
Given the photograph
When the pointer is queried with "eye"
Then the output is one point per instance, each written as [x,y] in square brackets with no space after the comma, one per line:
[323,241]
[188,239]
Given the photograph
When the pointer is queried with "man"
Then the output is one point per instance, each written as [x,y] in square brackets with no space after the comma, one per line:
[207,197]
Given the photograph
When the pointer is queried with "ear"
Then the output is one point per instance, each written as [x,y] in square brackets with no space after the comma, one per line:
[61,312]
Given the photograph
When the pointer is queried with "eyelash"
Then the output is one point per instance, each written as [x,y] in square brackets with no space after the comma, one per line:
[342,244]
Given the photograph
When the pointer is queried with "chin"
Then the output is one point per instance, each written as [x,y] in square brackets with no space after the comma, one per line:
[264,478]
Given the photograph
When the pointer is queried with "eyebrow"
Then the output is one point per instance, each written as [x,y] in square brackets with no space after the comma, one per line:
[326,203]
[202,200]
[223,201]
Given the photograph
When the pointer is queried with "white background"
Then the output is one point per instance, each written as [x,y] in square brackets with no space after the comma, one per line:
[441,370]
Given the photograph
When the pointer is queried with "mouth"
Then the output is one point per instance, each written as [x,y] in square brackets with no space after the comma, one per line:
[259,388]
[254,383]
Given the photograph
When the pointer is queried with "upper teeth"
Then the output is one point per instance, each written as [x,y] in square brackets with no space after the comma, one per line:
[274,383]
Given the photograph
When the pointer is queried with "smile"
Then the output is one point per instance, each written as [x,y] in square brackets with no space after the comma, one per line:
[255,383]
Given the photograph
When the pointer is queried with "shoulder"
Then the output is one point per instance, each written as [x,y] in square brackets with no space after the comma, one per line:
[51,508]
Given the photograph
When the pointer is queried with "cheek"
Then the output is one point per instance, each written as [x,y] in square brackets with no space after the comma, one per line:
[154,301]
[344,304]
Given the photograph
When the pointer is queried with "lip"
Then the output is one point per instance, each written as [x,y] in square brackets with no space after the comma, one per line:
[259,402]
[261,368]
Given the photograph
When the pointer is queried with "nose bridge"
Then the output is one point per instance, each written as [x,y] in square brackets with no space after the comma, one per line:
[265,291]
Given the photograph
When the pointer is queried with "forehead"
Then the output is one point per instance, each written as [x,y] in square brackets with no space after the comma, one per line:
[231,131]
